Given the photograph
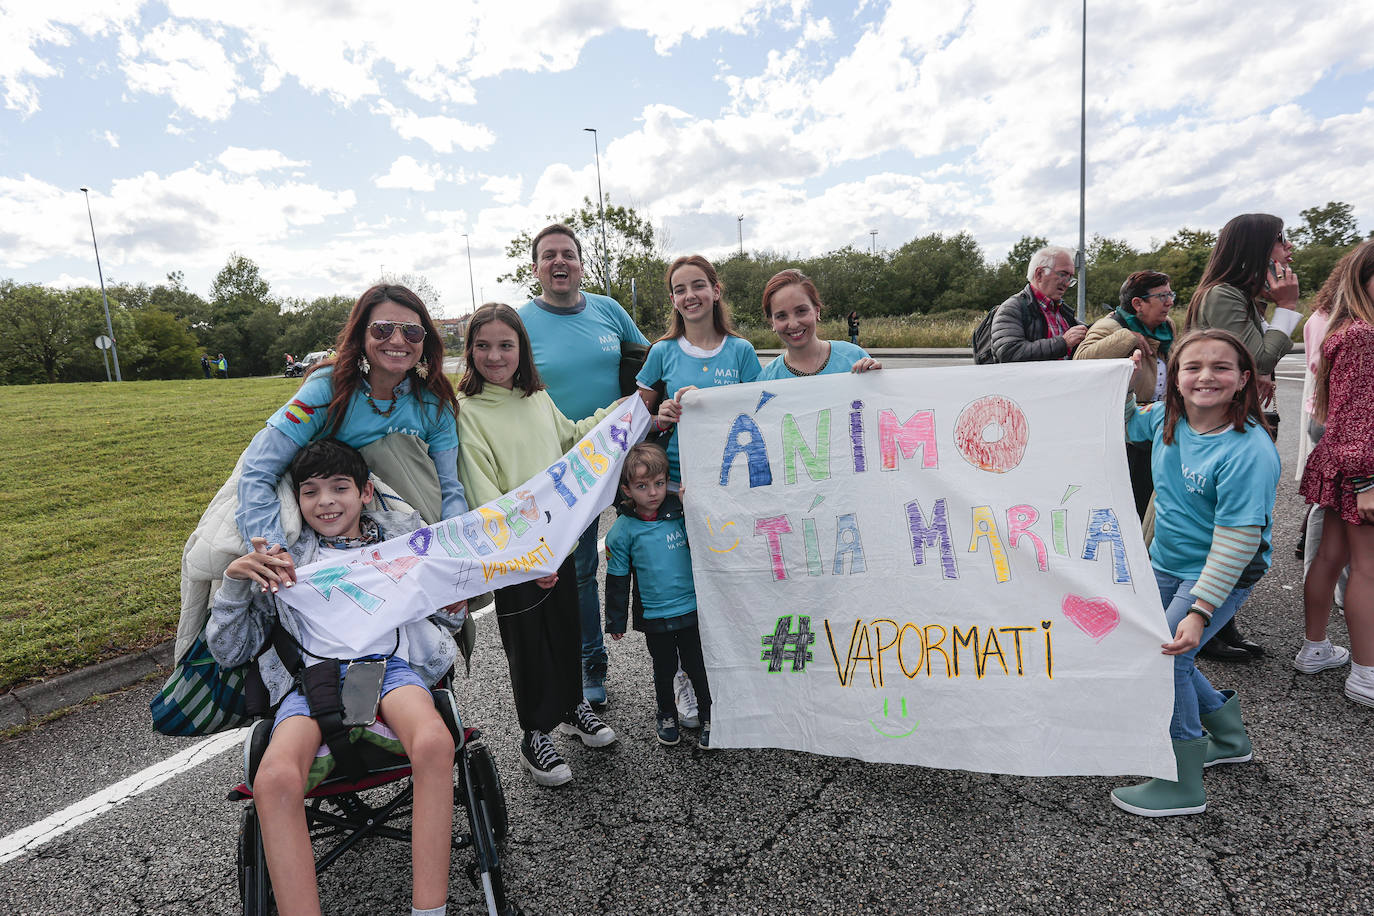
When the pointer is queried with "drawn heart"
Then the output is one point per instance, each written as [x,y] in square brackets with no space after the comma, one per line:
[397,568]
[1095,616]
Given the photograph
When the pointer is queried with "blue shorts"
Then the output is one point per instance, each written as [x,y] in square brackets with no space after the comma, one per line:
[398,674]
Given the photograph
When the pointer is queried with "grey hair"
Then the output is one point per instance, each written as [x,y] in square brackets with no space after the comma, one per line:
[1044,258]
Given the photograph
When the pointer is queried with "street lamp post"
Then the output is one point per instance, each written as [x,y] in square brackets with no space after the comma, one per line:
[109,328]
[471,288]
[741,235]
[1080,262]
[601,205]
[874,233]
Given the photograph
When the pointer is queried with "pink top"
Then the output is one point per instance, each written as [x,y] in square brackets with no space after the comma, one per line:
[1312,334]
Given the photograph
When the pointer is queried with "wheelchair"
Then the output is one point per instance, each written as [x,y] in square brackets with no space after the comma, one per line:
[339,817]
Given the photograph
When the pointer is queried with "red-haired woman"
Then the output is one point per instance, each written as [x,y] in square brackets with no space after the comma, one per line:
[792,306]
[387,377]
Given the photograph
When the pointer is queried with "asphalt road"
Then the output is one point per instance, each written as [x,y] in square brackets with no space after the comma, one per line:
[677,830]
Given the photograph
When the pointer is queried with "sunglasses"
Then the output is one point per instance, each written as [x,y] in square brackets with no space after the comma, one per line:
[382,330]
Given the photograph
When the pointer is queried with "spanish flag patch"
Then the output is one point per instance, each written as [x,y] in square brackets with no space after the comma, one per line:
[299,412]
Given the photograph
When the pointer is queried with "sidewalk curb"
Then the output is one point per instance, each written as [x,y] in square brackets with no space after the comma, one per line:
[27,704]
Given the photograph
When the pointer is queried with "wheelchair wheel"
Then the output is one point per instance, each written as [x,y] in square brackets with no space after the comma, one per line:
[255,888]
[486,785]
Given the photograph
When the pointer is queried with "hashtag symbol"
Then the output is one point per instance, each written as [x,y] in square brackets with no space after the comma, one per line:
[783,645]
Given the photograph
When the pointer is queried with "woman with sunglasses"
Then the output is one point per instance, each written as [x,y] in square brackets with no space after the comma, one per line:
[387,377]
[1250,267]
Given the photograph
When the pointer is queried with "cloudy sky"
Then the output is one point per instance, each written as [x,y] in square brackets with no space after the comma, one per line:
[329,140]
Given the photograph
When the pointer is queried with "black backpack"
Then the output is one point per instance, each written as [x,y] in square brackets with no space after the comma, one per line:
[982,339]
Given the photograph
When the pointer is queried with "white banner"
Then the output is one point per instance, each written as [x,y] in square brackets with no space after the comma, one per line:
[932,566]
[523,535]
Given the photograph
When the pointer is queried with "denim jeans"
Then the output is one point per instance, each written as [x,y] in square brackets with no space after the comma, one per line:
[1194,695]
[586,557]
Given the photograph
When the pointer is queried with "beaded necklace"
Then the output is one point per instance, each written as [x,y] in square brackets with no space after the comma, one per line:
[817,371]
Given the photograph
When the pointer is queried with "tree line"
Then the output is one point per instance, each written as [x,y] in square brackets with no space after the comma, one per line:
[162,330]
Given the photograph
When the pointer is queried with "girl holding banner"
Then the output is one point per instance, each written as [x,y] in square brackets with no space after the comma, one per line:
[1216,474]
[700,349]
[792,305]
[512,431]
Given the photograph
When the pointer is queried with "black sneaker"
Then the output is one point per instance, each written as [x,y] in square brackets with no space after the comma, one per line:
[543,761]
[668,733]
[704,739]
[584,724]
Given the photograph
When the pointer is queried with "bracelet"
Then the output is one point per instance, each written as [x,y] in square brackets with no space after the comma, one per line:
[1205,615]
[659,427]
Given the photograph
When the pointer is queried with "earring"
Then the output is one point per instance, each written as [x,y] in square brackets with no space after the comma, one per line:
[363,365]
[422,369]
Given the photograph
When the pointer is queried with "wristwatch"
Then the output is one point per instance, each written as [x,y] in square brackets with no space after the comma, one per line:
[1206,615]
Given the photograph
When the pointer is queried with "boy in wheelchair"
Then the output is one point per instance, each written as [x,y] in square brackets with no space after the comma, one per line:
[332,487]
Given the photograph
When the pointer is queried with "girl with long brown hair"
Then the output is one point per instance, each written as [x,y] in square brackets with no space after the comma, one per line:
[1216,473]
[1250,266]
[511,431]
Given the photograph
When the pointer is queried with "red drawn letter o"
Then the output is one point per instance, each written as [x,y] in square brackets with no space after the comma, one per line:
[991,434]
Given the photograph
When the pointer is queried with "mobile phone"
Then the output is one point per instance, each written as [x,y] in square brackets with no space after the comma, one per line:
[361,692]
[1273,272]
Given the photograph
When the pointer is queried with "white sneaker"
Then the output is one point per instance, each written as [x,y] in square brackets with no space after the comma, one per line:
[686,699]
[1360,688]
[1312,659]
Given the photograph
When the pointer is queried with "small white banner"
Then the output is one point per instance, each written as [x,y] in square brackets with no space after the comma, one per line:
[523,535]
[931,566]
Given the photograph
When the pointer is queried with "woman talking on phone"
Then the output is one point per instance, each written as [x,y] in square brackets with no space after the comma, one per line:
[1250,267]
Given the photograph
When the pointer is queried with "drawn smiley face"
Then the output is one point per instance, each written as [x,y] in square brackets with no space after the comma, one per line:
[718,532]
[891,726]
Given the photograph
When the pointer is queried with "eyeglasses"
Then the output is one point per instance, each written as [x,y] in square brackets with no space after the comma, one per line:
[1164,297]
[382,330]
[1065,275]
[1282,239]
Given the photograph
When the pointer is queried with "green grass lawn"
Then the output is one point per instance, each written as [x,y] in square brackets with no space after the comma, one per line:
[100,485]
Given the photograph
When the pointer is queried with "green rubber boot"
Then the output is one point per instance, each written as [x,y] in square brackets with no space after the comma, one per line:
[1162,798]
[1227,741]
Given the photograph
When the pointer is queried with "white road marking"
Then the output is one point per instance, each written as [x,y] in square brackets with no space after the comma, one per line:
[72,816]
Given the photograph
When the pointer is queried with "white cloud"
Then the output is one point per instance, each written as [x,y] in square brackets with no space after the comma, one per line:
[246,161]
[111,138]
[442,133]
[29,32]
[191,217]
[504,189]
[180,61]
[408,174]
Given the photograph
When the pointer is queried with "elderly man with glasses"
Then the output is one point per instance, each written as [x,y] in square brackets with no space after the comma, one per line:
[1035,323]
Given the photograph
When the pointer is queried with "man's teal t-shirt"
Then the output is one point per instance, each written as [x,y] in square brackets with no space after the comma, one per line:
[577,353]
[680,364]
